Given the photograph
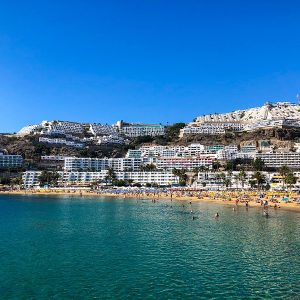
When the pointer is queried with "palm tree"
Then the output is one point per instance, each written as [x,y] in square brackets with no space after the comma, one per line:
[216,165]
[227,182]
[143,168]
[252,183]
[290,179]
[111,174]
[284,171]
[236,180]
[222,177]
[259,178]
[202,169]
[258,164]
[181,174]
[242,177]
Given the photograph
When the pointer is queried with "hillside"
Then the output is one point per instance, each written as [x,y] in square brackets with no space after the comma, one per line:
[277,136]
[31,149]
[269,111]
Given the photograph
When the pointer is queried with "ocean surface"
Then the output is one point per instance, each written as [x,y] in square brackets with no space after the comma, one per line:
[104,248]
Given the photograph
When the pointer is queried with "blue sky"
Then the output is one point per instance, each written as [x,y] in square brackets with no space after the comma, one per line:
[152,60]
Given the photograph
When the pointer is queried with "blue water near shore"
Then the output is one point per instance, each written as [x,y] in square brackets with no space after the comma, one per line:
[83,248]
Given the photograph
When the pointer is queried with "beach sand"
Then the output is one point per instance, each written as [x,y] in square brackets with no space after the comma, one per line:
[221,197]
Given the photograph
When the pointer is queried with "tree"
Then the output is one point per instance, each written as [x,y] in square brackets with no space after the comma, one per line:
[48,178]
[111,174]
[94,184]
[258,164]
[202,169]
[216,165]
[172,132]
[227,182]
[230,165]
[181,174]
[290,179]
[259,179]
[284,171]
[150,167]
[252,183]
[242,177]
[196,170]
[17,180]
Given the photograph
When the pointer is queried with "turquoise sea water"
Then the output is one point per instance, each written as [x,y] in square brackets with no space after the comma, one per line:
[84,248]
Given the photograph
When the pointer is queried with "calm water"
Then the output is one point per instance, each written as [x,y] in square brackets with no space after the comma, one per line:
[64,248]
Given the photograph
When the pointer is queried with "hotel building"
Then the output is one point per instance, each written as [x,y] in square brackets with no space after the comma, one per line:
[10,161]
[135,130]
[279,159]
[31,178]
[188,163]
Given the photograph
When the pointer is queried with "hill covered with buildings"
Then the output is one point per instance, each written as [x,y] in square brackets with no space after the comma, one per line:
[270,115]
[154,153]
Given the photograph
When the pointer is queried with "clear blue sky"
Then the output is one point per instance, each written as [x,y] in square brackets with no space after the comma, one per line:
[144,60]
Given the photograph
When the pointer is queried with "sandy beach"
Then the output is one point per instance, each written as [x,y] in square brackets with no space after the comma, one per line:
[272,200]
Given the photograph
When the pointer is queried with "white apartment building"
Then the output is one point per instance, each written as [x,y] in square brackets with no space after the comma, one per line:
[168,153]
[31,178]
[225,154]
[10,161]
[98,164]
[149,160]
[279,159]
[248,148]
[85,164]
[159,178]
[171,151]
[214,180]
[273,123]
[132,153]
[62,127]
[188,163]
[135,130]
[110,139]
[99,129]
[212,128]
[60,141]
[153,150]
[53,157]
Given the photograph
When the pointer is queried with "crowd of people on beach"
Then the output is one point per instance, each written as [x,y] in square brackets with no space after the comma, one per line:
[266,200]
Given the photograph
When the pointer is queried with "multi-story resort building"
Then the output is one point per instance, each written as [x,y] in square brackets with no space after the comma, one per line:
[248,149]
[225,154]
[10,161]
[212,128]
[135,130]
[61,127]
[31,178]
[98,164]
[98,129]
[111,139]
[270,115]
[53,157]
[205,180]
[191,150]
[215,180]
[132,153]
[61,141]
[52,162]
[188,163]
[279,159]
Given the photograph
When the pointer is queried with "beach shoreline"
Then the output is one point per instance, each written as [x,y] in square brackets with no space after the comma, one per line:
[236,199]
